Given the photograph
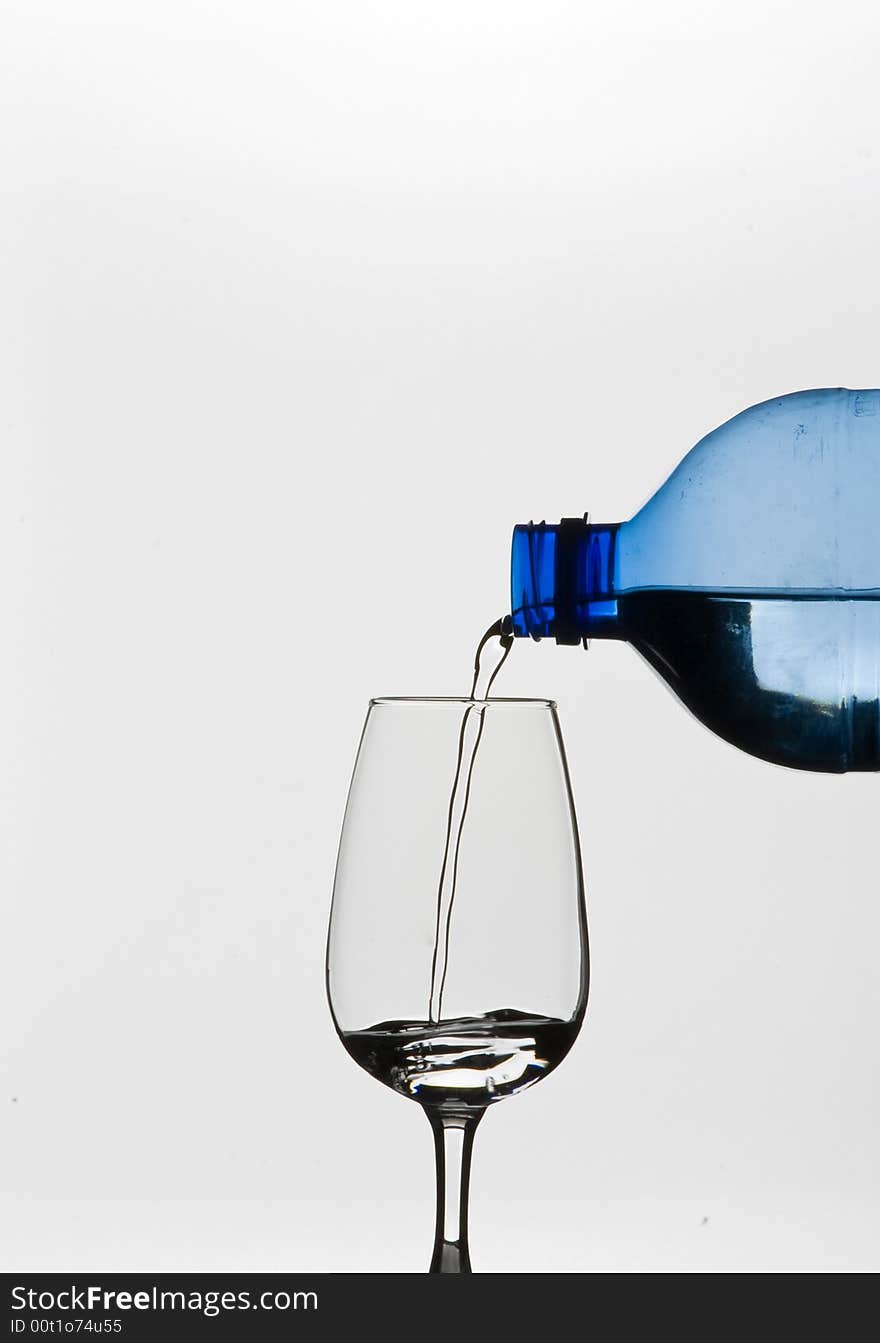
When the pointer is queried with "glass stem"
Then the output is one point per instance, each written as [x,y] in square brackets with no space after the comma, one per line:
[453,1140]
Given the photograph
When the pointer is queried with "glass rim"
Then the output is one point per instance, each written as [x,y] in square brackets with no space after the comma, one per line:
[448,701]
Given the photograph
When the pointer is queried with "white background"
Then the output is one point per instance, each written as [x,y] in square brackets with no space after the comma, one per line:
[303,306]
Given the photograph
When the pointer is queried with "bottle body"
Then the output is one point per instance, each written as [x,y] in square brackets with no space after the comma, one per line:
[750,581]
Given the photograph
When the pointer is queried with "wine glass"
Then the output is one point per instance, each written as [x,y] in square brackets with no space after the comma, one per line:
[457,962]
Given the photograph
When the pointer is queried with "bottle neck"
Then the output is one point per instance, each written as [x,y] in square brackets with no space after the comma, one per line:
[562,581]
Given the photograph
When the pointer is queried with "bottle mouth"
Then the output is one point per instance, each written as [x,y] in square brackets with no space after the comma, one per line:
[546,579]
[561,579]
[533,580]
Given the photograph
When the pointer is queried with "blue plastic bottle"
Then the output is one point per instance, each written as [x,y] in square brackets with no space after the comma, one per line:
[750,581]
